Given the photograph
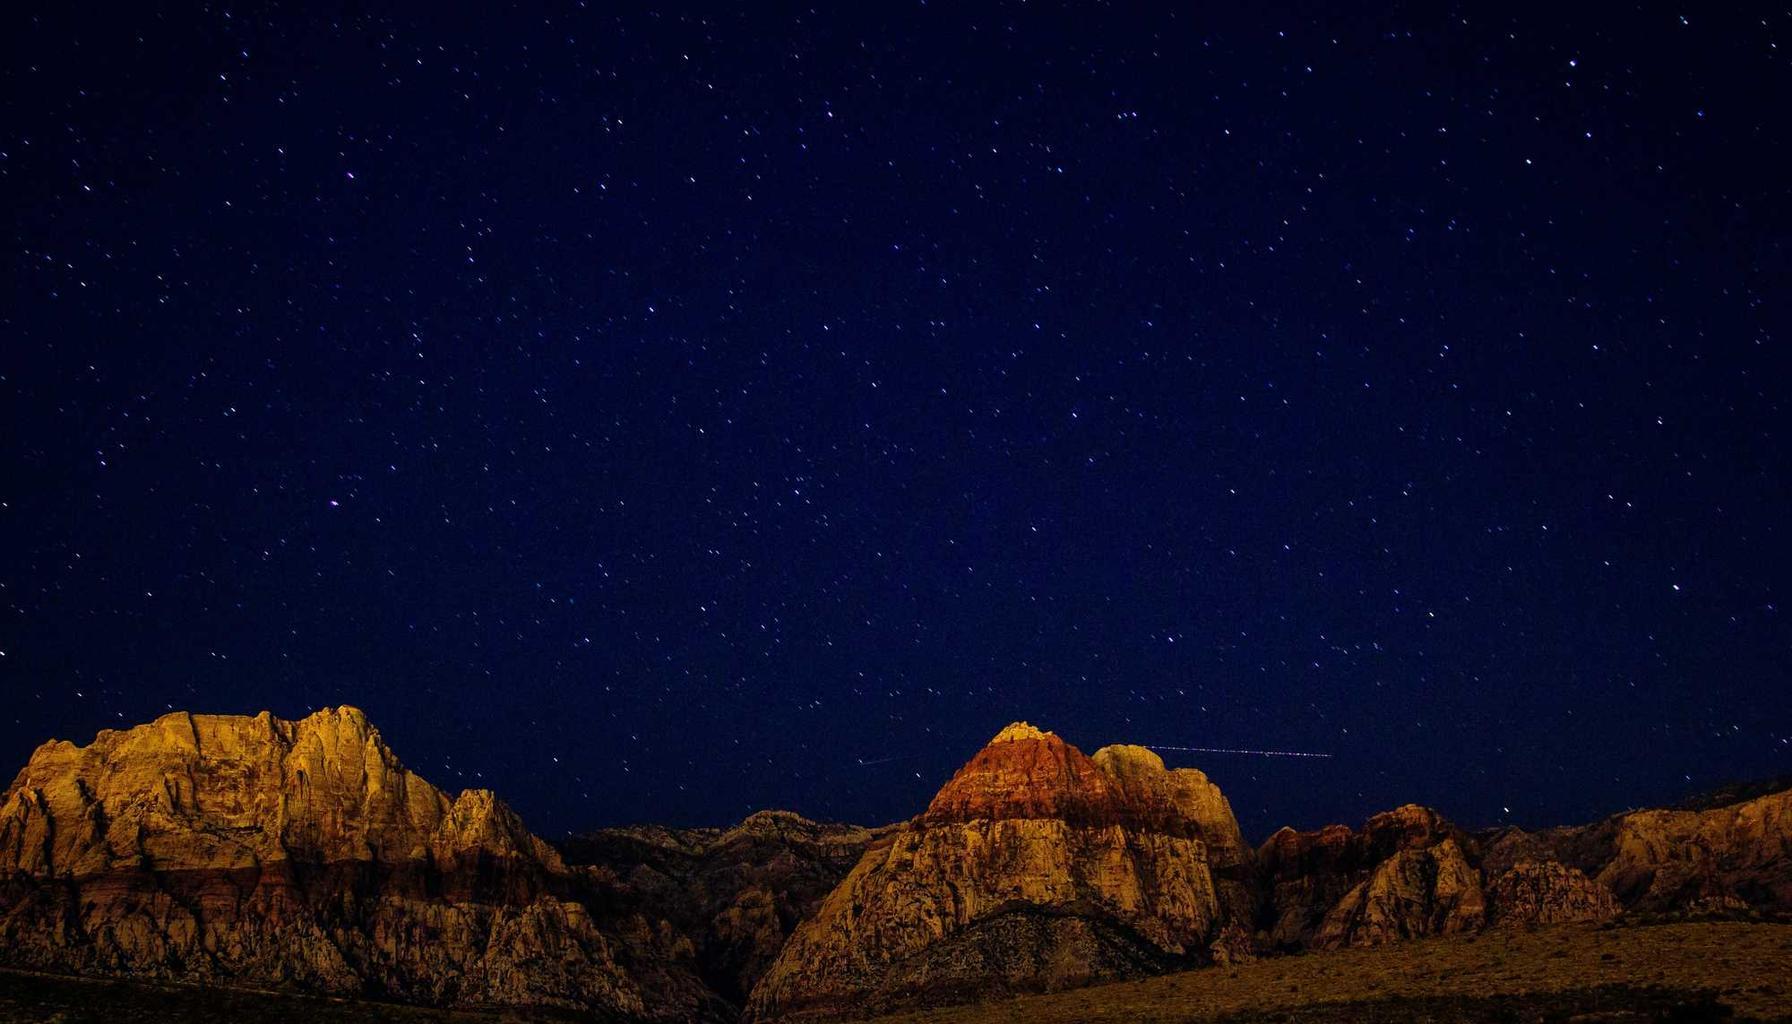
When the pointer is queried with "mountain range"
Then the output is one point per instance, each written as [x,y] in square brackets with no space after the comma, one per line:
[303,855]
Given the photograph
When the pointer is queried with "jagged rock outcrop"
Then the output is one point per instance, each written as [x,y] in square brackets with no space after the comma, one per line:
[1705,858]
[1533,893]
[1419,891]
[1036,867]
[303,854]
[1410,873]
[1406,873]
[737,893]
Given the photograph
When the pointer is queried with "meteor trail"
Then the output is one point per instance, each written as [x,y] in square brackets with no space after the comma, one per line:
[881,760]
[1237,750]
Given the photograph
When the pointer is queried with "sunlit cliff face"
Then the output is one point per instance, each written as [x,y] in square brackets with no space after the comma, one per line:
[1026,772]
[304,854]
[301,853]
[1038,864]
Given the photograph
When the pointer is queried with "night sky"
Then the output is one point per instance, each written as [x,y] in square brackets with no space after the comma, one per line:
[662,416]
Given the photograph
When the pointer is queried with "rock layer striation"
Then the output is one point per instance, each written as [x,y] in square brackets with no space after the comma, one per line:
[1036,867]
[305,854]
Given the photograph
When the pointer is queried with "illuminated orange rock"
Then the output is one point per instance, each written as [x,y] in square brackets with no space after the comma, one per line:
[1036,867]
[1712,856]
[303,854]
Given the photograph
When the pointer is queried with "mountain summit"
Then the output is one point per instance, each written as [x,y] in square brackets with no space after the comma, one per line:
[302,853]
[1035,867]
[210,791]
[256,851]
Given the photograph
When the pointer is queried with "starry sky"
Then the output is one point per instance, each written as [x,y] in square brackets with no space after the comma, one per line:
[662,415]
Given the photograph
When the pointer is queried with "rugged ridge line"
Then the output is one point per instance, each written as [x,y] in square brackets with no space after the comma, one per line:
[1036,867]
[304,854]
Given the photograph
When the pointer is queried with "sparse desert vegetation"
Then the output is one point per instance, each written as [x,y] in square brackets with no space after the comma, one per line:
[1690,971]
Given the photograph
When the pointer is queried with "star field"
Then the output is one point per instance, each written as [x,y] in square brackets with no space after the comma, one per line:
[656,415]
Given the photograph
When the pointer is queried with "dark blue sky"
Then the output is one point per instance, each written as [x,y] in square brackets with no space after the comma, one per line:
[654,415]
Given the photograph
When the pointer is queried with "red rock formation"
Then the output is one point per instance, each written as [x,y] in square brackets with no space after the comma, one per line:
[1547,892]
[1419,891]
[1035,867]
[1406,873]
[1025,773]
[303,853]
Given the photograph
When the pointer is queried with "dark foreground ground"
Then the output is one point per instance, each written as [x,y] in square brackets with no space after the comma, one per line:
[1710,971]
[47,999]
[1689,973]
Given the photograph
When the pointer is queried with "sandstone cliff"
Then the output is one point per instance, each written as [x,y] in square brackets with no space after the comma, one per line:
[1419,891]
[1547,892]
[1406,873]
[1035,867]
[1729,857]
[304,854]
[736,893]
[1409,873]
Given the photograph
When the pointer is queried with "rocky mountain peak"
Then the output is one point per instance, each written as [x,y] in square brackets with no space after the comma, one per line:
[1023,773]
[1124,759]
[1409,822]
[1020,731]
[303,853]
[1036,862]
[202,791]
[1030,774]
